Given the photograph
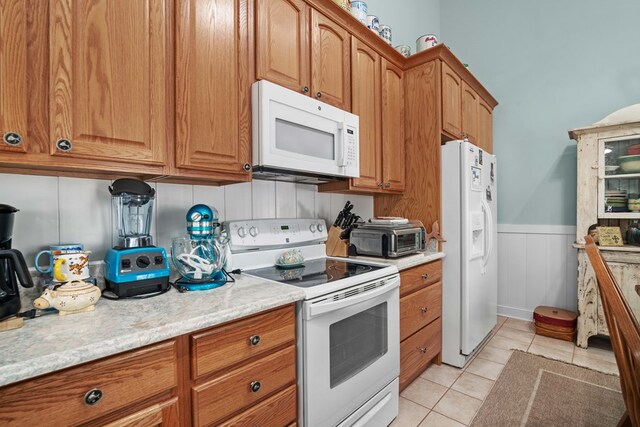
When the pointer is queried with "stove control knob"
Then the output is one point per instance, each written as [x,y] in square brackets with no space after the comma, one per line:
[253,231]
[242,232]
[312,228]
[320,228]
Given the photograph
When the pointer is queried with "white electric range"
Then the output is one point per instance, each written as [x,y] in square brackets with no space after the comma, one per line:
[348,325]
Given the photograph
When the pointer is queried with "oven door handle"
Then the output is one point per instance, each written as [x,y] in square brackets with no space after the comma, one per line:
[325,306]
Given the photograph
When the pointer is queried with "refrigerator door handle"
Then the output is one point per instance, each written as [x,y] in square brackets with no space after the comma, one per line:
[488,230]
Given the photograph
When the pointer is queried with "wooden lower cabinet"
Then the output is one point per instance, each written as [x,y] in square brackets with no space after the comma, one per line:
[158,385]
[420,320]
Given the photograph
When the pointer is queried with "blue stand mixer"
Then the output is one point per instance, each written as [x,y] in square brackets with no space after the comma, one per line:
[200,258]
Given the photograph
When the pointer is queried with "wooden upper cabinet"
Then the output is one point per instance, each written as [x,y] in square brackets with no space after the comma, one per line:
[109,73]
[485,126]
[366,104]
[13,76]
[392,127]
[470,101]
[282,44]
[451,102]
[212,86]
[330,62]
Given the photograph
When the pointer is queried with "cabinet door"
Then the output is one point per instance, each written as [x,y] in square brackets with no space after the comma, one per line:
[485,126]
[451,102]
[13,75]
[212,88]
[330,61]
[109,72]
[469,113]
[392,127]
[282,44]
[365,93]
[163,414]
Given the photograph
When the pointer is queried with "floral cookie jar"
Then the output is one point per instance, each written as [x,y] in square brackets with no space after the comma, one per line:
[72,297]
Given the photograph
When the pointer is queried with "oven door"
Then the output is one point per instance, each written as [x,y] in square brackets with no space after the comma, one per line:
[350,349]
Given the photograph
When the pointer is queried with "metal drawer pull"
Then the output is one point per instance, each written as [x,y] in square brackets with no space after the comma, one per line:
[93,396]
[425,276]
[387,185]
[12,138]
[255,386]
[318,95]
[423,309]
[423,350]
[254,340]
[305,89]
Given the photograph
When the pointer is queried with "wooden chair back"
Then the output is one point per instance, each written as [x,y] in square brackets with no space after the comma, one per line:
[624,331]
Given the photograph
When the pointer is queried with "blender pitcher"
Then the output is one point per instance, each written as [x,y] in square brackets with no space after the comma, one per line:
[133,203]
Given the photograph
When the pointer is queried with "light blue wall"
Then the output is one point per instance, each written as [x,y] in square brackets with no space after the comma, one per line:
[409,19]
[552,65]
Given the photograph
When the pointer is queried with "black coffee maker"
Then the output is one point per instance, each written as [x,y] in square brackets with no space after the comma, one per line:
[12,264]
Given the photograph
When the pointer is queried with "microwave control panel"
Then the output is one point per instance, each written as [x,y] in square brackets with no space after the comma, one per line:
[352,147]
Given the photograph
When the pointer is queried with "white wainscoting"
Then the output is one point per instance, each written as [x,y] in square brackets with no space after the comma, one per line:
[537,266]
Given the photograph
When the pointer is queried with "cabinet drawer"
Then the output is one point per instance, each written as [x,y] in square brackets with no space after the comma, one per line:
[229,393]
[59,398]
[229,344]
[276,411]
[418,277]
[420,308]
[418,350]
[163,414]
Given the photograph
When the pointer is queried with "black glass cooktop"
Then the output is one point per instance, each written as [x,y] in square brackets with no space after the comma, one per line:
[313,272]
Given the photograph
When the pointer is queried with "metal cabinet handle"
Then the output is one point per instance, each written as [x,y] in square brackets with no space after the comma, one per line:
[387,185]
[92,397]
[255,386]
[305,89]
[423,350]
[64,145]
[319,95]
[246,167]
[12,138]
[423,309]
[425,276]
[380,184]
[254,340]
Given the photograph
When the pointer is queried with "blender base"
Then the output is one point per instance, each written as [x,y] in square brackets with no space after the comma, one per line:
[158,286]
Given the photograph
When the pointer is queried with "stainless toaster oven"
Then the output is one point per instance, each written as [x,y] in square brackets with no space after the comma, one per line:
[388,241]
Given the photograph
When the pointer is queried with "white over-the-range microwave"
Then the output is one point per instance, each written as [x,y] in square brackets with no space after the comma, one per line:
[298,138]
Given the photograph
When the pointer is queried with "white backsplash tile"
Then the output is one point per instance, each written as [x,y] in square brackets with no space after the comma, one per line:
[237,201]
[285,199]
[63,210]
[85,214]
[305,201]
[211,196]
[36,226]
[263,199]
[172,203]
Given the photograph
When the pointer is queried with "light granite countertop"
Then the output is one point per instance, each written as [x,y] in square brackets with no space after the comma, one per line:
[406,262]
[52,342]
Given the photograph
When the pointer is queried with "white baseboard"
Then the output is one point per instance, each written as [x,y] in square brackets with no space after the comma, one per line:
[517,313]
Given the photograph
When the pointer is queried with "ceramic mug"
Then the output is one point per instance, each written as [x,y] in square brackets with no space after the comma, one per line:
[65,248]
[70,266]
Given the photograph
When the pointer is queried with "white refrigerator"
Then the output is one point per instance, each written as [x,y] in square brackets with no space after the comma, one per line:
[470,267]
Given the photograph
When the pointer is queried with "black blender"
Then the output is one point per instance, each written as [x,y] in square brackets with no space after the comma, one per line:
[12,264]
[134,267]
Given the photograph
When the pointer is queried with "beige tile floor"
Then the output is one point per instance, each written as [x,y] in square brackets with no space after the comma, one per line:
[445,396]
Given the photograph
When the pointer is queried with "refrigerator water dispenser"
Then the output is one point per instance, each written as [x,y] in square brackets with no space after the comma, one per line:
[477,235]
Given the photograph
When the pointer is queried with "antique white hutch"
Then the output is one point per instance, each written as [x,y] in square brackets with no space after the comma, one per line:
[608,178]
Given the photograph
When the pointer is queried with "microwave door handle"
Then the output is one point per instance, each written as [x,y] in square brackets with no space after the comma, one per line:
[342,144]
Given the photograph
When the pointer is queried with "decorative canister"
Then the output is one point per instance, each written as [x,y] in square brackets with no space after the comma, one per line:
[373,23]
[404,50]
[385,33]
[359,10]
[342,3]
[425,42]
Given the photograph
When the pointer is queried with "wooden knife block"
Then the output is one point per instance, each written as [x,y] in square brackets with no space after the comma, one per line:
[335,245]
